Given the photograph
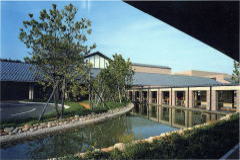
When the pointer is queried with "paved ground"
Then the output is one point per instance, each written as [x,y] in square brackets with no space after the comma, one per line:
[15,110]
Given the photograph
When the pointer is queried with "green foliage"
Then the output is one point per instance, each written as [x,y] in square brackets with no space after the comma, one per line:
[76,91]
[208,142]
[58,43]
[236,73]
[112,82]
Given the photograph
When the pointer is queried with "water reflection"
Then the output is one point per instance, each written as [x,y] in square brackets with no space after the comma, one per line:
[174,116]
[121,129]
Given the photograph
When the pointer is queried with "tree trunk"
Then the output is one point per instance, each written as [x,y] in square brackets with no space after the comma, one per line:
[63,97]
[45,107]
[56,98]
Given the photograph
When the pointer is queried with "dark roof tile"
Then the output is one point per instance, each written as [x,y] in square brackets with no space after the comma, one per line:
[22,72]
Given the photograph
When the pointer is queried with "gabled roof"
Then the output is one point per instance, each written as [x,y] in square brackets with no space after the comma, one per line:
[151,66]
[96,53]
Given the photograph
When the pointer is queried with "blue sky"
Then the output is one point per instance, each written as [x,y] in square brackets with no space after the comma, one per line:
[120,28]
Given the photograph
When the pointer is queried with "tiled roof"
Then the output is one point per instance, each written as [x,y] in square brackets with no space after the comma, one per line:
[151,66]
[154,79]
[22,72]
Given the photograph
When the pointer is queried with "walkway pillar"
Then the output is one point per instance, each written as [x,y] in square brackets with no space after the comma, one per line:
[186,99]
[214,100]
[208,98]
[190,99]
[159,97]
[173,98]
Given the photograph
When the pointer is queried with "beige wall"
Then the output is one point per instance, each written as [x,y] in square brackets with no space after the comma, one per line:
[151,69]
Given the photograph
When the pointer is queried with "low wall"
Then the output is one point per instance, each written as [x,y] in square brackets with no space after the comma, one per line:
[77,122]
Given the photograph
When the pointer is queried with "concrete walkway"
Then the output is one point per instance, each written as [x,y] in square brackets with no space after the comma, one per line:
[20,110]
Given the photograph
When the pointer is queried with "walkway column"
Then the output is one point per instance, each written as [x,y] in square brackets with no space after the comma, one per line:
[190,99]
[214,100]
[186,98]
[208,98]
[140,96]
[173,98]
[149,96]
[159,97]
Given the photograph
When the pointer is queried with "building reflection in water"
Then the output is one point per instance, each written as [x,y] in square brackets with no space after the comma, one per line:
[175,116]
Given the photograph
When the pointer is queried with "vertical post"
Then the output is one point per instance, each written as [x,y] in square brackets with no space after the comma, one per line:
[214,100]
[173,97]
[170,97]
[190,103]
[159,97]
[208,94]
[149,94]
[186,97]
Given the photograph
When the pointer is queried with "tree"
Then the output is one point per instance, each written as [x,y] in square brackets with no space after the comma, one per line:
[112,82]
[58,43]
[236,72]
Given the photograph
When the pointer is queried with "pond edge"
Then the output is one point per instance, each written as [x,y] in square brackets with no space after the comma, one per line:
[79,124]
[122,146]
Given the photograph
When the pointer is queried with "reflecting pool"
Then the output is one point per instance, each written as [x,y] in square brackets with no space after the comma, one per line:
[178,117]
[121,129]
[143,122]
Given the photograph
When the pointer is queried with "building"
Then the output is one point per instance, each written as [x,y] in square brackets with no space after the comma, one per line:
[97,60]
[220,77]
[208,97]
[151,84]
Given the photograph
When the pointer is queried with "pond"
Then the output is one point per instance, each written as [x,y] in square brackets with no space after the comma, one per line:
[143,122]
